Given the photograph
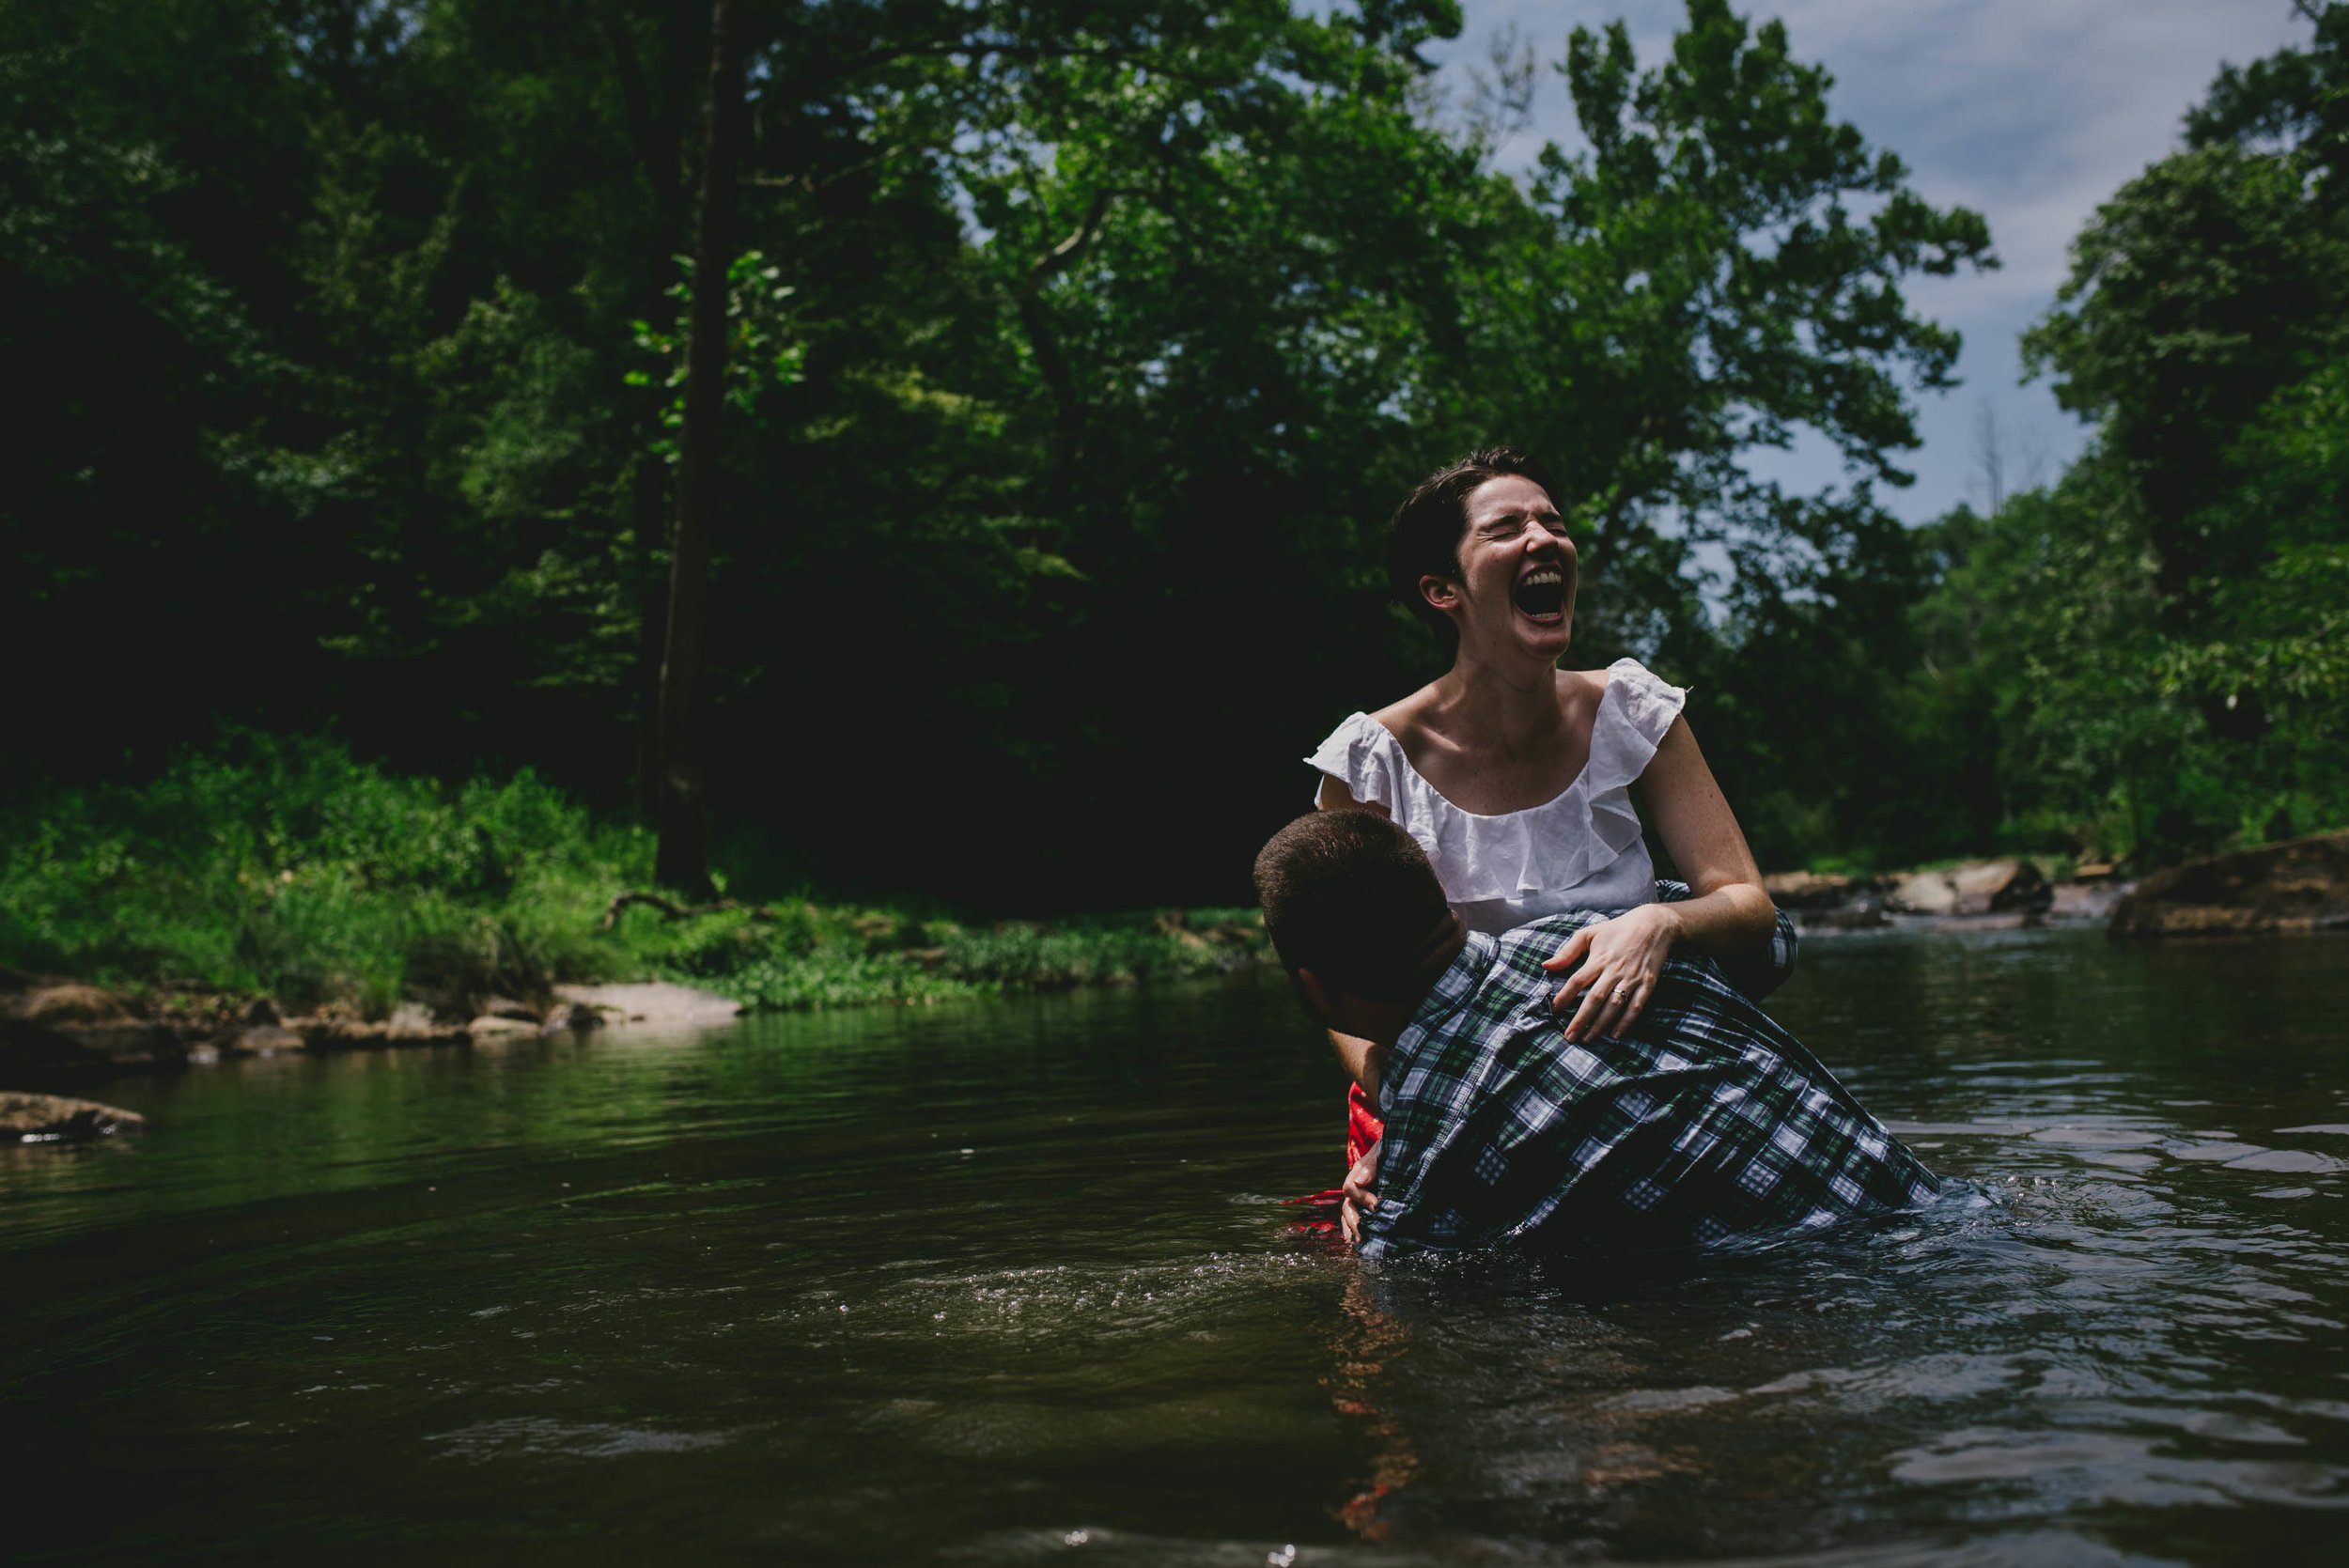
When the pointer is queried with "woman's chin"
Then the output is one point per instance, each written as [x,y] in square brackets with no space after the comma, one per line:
[1523,641]
[1548,638]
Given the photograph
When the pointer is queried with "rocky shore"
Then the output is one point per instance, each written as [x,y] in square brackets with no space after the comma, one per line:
[56,1119]
[2301,885]
[1975,896]
[56,1031]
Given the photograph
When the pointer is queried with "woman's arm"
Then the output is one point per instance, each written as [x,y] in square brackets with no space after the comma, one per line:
[1334,796]
[1730,914]
[1617,962]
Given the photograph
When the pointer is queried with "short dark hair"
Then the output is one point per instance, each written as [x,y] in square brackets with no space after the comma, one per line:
[1424,535]
[1348,896]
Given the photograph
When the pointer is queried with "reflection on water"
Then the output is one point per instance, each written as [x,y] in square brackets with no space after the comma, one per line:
[1014,1282]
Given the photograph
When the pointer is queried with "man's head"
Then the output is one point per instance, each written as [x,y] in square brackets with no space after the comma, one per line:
[1355,910]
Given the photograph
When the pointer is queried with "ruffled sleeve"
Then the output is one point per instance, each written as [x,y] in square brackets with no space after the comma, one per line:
[1638,707]
[1362,756]
[1646,705]
[1544,858]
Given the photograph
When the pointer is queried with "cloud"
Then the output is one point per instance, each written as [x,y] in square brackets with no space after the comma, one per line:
[2031,112]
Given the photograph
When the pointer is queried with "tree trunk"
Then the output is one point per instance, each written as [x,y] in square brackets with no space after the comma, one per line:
[682,821]
[656,117]
[1068,408]
[649,518]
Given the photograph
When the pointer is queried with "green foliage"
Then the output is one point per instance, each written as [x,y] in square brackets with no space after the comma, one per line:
[2143,659]
[761,355]
[283,866]
[2283,625]
[1079,353]
[2200,289]
[1721,281]
[2184,656]
[2041,639]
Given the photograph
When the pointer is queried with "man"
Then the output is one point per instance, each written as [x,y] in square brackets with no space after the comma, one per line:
[1704,1125]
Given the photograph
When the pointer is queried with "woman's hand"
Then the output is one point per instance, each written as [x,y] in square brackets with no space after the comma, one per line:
[1359,1195]
[1619,962]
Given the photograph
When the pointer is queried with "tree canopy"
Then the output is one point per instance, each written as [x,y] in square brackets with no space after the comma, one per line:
[1076,351]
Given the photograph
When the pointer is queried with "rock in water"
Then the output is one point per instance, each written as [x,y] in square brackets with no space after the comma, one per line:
[654,1004]
[1865,914]
[63,1028]
[2000,886]
[411,1024]
[52,1118]
[1976,888]
[2299,885]
[265,1040]
[1811,890]
[1921,892]
[2086,901]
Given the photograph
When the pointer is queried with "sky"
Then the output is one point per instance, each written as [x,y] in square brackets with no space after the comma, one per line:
[2031,112]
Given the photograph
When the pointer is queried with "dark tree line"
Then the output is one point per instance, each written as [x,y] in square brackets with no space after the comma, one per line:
[980,496]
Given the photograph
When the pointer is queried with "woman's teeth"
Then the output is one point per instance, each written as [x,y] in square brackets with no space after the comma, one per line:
[1541,594]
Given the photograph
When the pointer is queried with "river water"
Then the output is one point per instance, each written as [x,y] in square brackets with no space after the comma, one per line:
[1013,1282]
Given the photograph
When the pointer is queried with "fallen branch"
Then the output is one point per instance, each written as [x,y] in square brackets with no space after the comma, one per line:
[675,910]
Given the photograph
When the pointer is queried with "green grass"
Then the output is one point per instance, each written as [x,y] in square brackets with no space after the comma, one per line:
[281,866]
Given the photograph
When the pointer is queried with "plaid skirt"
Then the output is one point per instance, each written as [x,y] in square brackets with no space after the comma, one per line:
[1706,1125]
[1757,978]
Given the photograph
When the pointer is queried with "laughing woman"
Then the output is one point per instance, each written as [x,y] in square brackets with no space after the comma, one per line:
[1523,781]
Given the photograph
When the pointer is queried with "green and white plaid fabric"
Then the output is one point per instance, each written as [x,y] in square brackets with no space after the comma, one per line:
[1707,1126]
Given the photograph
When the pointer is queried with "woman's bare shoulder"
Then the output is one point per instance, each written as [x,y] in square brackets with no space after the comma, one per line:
[1578,692]
[1408,716]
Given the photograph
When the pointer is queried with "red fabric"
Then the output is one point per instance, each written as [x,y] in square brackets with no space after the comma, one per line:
[1363,1129]
[1362,1126]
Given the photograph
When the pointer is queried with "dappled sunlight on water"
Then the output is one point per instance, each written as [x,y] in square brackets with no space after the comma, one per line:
[1014,1282]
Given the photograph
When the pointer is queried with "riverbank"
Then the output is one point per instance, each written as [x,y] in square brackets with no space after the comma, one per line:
[273,892]
[688,969]
[2291,886]
[1955,895]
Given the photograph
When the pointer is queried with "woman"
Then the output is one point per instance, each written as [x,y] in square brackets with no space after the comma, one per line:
[1519,779]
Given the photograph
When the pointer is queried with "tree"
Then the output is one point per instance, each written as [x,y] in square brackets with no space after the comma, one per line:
[1720,269]
[1073,353]
[684,854]
[2201,327]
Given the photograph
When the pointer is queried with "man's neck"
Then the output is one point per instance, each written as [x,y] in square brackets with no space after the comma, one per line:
[1383,1022]
[1380,1022]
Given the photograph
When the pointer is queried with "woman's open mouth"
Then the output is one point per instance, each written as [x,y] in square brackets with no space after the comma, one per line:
[1540,595]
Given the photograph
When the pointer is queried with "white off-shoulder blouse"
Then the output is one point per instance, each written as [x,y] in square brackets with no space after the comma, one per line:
[1581,850]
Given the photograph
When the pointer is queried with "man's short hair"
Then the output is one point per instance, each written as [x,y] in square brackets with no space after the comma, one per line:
[1348,896]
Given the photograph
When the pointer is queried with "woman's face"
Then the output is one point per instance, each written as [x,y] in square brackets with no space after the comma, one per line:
[1516,591]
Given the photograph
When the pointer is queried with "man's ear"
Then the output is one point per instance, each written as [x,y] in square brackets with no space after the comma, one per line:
[1317,997]
[1441,591]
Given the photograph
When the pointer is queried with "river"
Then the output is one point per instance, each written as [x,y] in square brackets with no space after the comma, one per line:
[1013,1282]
